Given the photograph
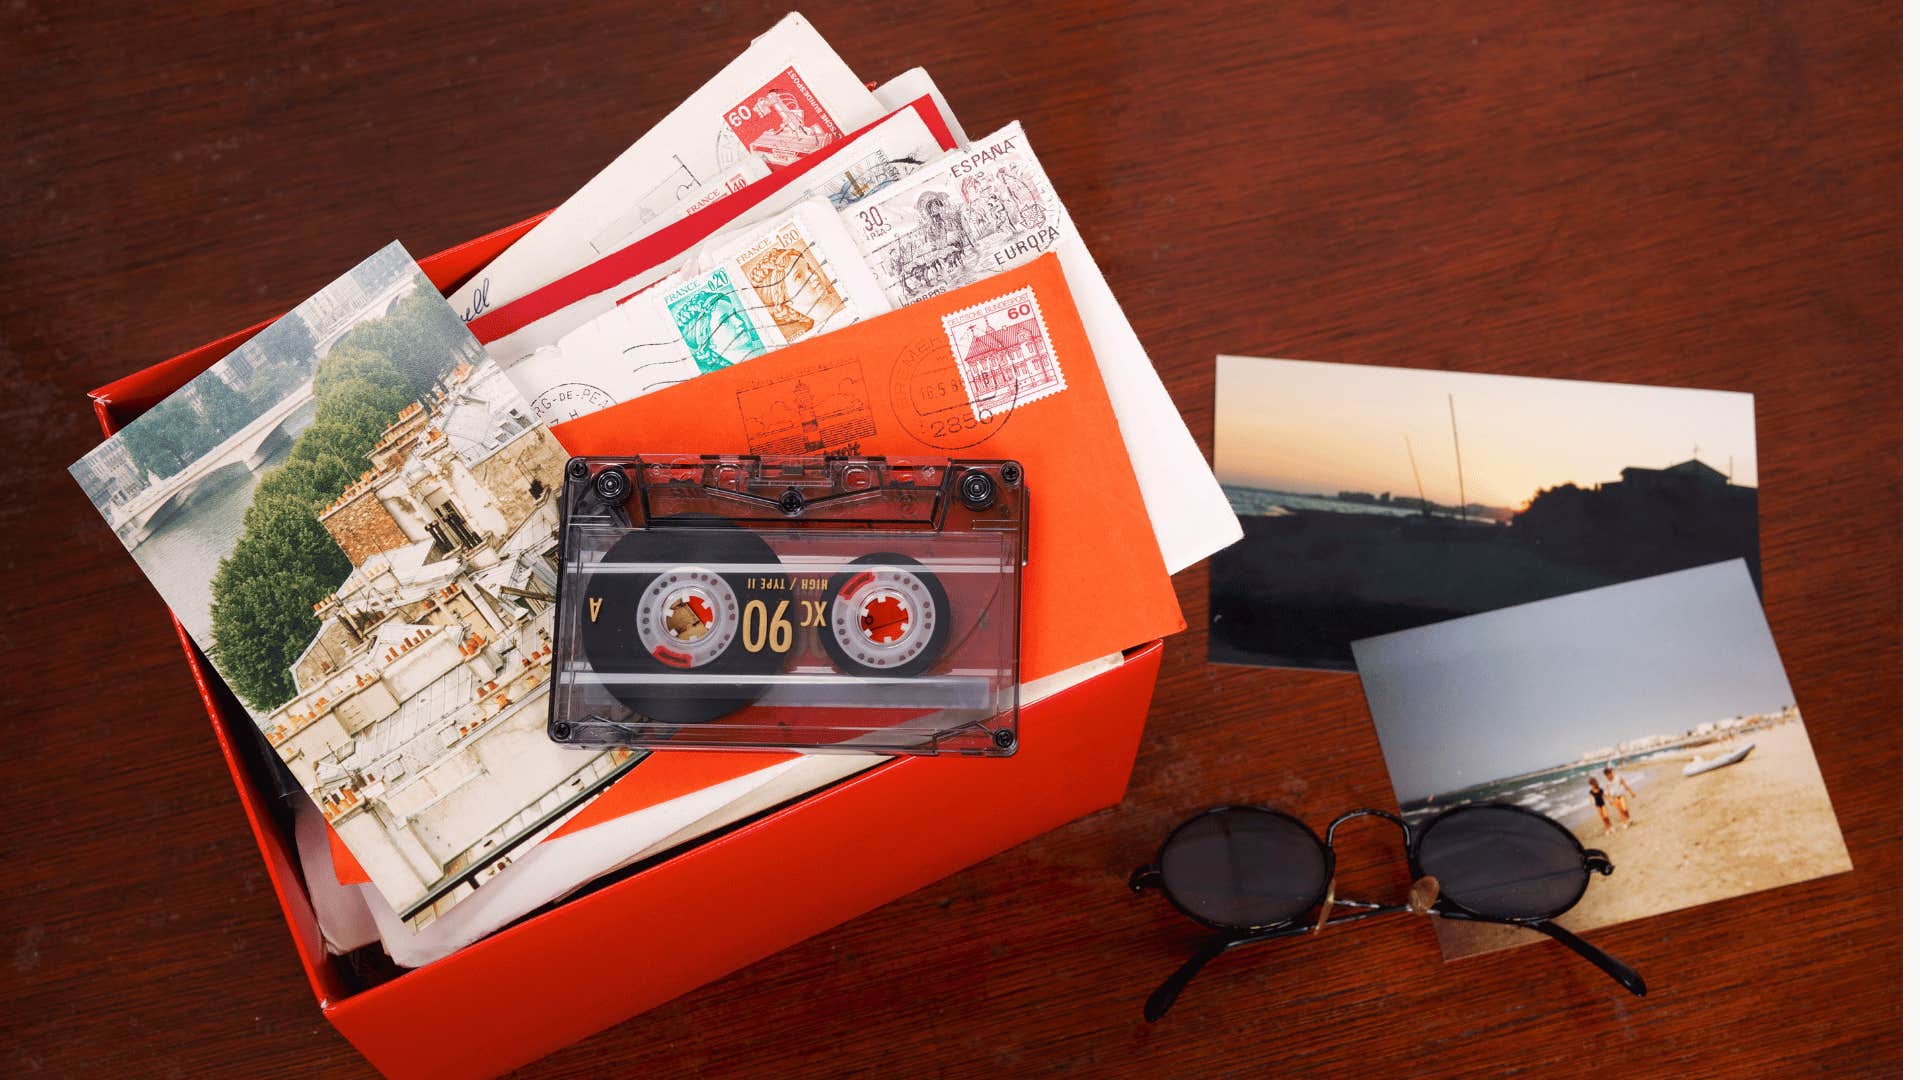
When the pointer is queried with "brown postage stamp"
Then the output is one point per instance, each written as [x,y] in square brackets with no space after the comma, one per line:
[793,288]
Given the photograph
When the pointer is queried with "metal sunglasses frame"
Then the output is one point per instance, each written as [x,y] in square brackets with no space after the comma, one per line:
[1427,896]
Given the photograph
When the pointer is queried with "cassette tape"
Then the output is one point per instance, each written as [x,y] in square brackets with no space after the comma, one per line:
[799,603]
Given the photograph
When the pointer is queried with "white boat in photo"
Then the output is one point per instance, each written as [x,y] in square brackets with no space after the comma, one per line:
[1699,765]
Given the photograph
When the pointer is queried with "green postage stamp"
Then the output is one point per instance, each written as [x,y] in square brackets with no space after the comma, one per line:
[713,320]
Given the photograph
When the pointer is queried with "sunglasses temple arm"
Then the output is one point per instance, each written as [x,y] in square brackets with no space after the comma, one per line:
[1620,972]
[1162,999]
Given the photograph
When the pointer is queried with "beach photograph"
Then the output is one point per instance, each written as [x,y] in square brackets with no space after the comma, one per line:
[1376,499]
[353,516]
[1653,719]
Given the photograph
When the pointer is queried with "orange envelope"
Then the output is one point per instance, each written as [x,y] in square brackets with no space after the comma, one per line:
[998,369]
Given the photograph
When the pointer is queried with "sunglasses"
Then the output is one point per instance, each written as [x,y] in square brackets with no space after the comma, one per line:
[1254,874]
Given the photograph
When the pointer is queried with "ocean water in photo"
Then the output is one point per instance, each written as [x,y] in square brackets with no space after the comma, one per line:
[1561,793]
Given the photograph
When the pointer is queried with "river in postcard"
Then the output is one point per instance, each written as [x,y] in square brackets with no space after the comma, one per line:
[185,552]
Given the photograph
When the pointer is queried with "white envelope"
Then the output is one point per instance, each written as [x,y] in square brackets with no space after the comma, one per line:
[788,94]
[638,347]
[901,138]
[355,915]
[1190,514]
[909,86]
[559,866]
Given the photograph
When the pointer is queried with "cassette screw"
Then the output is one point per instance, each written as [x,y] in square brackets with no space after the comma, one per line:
[612,486]
[792,502]
[977,490]
[1003,738]
[560,730]
[577,468]
[1010,473]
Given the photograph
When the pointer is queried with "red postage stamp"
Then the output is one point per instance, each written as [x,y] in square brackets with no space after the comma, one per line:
[1004,354]
[783,121]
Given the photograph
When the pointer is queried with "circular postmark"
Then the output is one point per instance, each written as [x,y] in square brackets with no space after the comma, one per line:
[570,401]
[930,399]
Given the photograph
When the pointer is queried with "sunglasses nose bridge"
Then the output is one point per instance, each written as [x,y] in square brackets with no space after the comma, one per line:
[1417,900]
[1406,831]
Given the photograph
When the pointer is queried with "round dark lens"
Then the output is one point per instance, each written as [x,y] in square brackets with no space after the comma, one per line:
[1503,862]
[1244,867]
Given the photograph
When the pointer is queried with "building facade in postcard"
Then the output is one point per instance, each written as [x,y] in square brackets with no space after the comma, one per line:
[431,663]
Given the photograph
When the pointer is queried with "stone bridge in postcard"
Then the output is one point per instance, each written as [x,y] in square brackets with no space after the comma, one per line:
[249,448]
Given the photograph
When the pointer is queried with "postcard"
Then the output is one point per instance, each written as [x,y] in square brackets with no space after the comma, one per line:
[1653,719]
[352,516]
[1376,499]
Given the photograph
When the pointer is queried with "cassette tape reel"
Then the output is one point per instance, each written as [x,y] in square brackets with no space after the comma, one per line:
[855,604]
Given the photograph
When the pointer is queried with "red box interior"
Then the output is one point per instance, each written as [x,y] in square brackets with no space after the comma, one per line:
[578,967]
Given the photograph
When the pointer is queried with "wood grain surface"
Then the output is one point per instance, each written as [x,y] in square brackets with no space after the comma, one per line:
[1698,195]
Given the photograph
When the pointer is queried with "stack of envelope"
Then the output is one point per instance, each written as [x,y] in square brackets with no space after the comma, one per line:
[789,263]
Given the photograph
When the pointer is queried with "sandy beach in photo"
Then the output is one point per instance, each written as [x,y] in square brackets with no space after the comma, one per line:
[1758,824]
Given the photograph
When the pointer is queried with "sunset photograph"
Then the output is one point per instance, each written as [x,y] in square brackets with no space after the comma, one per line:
[1377,499]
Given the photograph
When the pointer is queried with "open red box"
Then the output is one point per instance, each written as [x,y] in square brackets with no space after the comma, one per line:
[576,968]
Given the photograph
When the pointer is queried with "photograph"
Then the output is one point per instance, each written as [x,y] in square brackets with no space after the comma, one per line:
[1652,719]
[353,517]
[1376,499]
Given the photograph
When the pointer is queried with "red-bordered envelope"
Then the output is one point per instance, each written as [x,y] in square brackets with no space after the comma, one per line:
[1000,369]
[667,246]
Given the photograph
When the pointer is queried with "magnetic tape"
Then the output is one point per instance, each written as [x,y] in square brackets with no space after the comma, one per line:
[805,603]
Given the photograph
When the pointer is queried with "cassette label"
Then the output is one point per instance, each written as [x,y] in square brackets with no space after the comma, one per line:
[799,603]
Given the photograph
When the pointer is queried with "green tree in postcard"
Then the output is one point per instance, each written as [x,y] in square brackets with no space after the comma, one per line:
[159,441]
[285,560]
[264,592]
[287,343]
[417,339]
[223,410]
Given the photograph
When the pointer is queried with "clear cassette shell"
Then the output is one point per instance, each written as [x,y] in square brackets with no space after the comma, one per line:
[856,604]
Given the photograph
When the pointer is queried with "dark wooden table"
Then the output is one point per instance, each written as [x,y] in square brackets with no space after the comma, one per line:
[1688,194]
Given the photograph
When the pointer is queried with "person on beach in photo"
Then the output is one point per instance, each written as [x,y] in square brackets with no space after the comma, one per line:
[1600,805]
[1618,792]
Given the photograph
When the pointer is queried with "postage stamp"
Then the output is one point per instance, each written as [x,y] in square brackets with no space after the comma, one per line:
[1004,354]
[973,214]
[712,319]
[782,121]
[795,291]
